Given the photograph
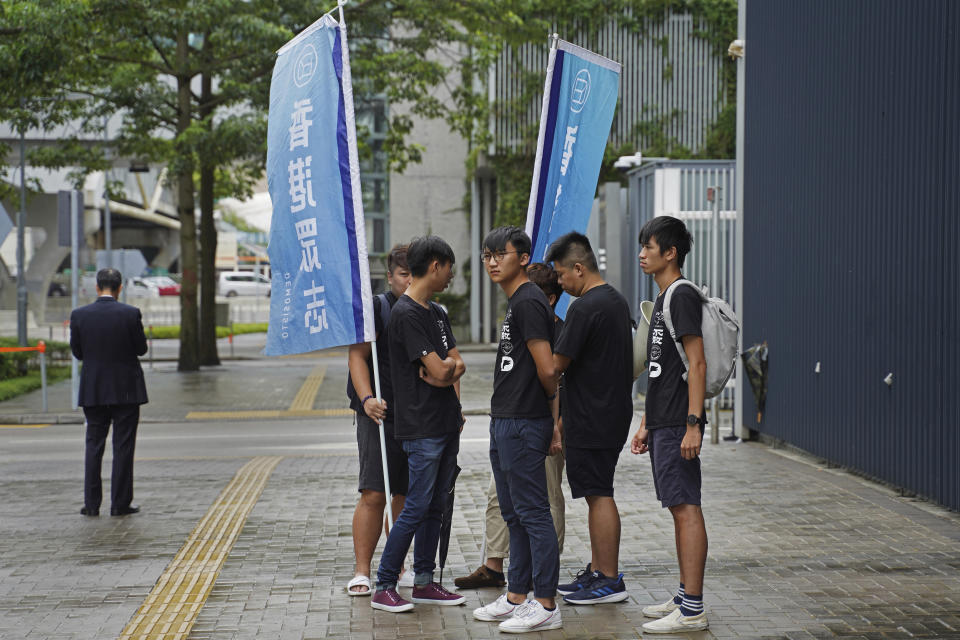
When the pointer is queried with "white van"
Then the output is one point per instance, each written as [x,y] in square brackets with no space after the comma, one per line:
[242,283]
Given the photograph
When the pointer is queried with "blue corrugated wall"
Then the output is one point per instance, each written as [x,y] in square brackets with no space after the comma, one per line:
[852,232]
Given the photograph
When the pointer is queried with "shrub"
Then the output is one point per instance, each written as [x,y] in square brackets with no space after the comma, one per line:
[17,364]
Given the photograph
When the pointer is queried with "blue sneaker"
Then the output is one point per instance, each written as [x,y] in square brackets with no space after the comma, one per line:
[584,577]
[600,589]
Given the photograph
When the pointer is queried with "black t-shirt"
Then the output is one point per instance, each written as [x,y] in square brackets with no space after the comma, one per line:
[383,361]
[517,392]
[595,397]
[667,392]
[557,327]
[421,410]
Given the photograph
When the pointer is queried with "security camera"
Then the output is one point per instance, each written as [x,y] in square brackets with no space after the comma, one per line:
[625,163]
[737,49]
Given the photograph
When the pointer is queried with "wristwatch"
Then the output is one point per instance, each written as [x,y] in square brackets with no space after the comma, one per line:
[693,420]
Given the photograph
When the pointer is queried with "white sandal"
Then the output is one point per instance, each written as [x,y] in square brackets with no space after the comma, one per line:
[359,581]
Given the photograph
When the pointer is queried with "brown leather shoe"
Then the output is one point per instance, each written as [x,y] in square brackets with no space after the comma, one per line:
[482,577]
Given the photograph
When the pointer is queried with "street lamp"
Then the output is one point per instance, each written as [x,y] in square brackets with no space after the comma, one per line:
[21,240]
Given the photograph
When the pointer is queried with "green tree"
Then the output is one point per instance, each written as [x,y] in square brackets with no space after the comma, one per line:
[191,79]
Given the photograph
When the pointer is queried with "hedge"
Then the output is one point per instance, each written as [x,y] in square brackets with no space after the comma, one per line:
[13,387]
[19,364]
[173,332]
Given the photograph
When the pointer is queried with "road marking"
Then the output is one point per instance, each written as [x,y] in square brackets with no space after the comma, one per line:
[171,608]
[234,415]
[223,415]
[308,390]
[302,405]
[23,426]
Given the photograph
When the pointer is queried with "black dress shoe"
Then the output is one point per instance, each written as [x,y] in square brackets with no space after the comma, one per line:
[89,512]
[124,511]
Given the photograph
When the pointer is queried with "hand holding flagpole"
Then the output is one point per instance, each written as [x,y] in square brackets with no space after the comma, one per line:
[383,437]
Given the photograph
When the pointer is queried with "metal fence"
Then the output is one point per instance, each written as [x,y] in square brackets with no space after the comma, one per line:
[669,73]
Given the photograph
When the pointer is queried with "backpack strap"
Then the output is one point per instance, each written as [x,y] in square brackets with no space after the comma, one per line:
[668,320]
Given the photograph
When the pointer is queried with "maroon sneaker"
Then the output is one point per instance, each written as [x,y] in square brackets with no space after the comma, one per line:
[434,593]
[390,600]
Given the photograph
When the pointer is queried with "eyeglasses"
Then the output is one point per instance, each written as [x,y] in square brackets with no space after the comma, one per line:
[497,256]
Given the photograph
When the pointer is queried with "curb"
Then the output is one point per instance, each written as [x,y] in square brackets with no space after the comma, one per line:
[45,418]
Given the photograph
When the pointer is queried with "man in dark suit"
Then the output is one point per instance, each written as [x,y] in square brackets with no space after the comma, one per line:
[108,336]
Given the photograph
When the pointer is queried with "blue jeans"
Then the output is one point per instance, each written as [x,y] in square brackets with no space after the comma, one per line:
[518,448]
[432,463]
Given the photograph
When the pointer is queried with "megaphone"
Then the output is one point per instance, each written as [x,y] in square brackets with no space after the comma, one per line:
[640,339]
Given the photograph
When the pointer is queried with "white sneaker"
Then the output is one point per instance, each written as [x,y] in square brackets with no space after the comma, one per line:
[661,610]
[676,622]
[531,616]
[406,579]
[499,609]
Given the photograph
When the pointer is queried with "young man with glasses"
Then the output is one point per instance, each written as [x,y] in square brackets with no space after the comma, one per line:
[523,431]
[425,368]
[496,536]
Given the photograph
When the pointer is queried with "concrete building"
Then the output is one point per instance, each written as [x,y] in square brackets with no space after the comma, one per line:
[143,217]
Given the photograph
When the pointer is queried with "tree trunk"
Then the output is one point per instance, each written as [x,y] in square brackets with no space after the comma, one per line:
[188,360]
[208,242]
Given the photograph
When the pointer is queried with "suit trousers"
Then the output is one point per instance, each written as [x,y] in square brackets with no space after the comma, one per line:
[125,418]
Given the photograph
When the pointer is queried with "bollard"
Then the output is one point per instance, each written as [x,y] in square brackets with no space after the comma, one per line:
[42,346]
[231,340]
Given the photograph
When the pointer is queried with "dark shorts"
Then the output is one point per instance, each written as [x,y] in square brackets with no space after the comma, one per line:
[590,471]
[371,464]
[676,480]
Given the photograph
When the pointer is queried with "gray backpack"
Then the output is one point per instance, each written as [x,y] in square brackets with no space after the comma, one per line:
[721,337]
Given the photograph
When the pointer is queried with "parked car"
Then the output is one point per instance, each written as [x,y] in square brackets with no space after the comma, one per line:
[140,288]
[242,283]
[166,286]
[56,290]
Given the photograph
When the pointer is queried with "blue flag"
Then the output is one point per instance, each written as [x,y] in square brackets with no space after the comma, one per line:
[320,292]
[579,99]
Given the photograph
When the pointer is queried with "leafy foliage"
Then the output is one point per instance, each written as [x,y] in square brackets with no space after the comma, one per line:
[172,332]
[13,387]
[585,18]
[19,363]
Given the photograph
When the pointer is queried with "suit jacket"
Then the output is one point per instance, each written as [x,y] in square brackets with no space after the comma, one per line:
[108,336]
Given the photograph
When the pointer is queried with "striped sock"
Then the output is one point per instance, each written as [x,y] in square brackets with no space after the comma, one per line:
[678,599]
[692,605]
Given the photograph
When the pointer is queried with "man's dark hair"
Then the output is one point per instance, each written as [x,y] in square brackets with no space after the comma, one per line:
[572,248]
[498,238]
[545,277]
[669,232]
[421,252]
[109,279]
[397,257]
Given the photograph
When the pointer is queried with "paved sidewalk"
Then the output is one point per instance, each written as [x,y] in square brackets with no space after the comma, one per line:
[797,549]
[247,381]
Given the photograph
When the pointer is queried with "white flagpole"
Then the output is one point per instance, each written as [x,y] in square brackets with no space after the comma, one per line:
[544,108]
[383,436]
[355,180]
